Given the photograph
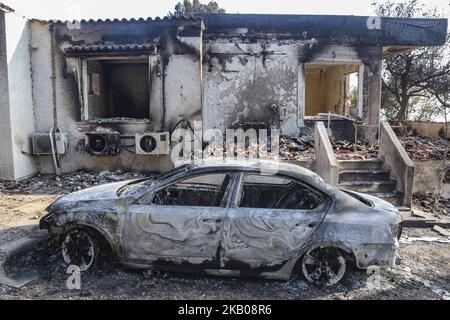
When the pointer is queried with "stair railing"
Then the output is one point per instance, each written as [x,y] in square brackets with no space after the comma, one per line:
[326,164]
[394,157]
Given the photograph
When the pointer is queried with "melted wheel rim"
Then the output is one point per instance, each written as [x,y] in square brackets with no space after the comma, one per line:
[323,266]
[78,249]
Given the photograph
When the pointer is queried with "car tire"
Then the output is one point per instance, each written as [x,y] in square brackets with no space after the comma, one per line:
[80,247]
[324,267]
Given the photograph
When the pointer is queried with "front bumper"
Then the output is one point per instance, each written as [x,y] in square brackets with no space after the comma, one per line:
[46,222]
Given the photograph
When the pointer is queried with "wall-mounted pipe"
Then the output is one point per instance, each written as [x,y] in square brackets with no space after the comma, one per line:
[53,76]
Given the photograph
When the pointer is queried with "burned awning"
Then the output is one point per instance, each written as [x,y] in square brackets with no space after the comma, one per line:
[111,49]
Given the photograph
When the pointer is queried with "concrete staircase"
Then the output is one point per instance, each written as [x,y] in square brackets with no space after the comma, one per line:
[368,176]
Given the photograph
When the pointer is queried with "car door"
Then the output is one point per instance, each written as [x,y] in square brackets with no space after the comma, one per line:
[270,219]
[181,221]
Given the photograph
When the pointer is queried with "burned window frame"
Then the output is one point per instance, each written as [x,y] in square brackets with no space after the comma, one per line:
[84,86]
[147,198]
[325,199]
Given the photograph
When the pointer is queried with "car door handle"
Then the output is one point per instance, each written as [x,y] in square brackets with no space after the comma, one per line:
[313,224]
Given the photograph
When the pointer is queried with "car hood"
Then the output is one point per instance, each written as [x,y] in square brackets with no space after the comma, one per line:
[98,193]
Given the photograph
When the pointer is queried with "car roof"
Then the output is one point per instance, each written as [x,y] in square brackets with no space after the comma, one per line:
[251,165]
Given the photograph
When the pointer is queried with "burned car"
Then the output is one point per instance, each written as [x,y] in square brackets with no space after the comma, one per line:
[232,218]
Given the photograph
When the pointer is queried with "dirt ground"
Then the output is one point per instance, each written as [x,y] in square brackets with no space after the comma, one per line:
[423,274]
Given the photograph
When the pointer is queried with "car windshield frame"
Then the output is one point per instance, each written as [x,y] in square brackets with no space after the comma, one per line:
[144,181]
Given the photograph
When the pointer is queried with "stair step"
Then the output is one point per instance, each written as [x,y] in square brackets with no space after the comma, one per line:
[364,175]
[360,164]
[403,208]
[369,185]
[395,197]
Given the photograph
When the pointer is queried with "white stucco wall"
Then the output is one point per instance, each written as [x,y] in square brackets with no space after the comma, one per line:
[6,155]
[21,101]
[16,105]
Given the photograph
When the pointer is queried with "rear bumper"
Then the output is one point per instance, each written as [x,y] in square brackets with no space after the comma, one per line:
[376,254]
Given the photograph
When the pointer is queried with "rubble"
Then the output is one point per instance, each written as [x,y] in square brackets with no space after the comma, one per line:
[67,183]
[409,240]
[347,150]
[297,149]
[291,149]
[442,231]
[302,149]
[425,203]
[425,148]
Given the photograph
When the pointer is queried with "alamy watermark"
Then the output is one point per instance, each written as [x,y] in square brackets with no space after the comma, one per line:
[373,23]
[74,280]
[195,144]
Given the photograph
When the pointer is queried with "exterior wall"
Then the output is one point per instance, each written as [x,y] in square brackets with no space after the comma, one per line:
[419,128]
[265,82]
[175,86]
[21,105]
[17,114]
[223,81]
[426,177]
[6,156]
[244,85]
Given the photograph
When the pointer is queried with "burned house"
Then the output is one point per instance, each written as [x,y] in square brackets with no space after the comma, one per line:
[107,94]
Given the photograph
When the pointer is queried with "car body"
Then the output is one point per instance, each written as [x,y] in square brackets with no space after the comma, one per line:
[262,218]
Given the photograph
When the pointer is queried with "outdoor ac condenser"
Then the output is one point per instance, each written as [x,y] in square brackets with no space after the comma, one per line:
[153,143]
[42,145]
[102,143]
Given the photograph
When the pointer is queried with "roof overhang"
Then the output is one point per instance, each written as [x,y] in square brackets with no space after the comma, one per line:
[110,50]
[4,8]
[345,30]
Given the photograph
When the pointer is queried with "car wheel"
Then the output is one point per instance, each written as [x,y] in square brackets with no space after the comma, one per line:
[79,248]
[324,266]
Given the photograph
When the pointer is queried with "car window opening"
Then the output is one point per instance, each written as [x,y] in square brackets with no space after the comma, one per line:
[277,193]
[200,191]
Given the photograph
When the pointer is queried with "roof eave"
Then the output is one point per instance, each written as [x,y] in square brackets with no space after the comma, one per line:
[6,9]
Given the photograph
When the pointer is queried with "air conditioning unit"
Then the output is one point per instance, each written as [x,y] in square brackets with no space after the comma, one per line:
[42,145]
[157,143]
[102,143]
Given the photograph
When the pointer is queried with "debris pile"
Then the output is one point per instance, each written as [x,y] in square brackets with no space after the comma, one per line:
[426,201]
[296,149]
[425,148]
[67,183]
[290,149]
[300,149]
[346,150]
